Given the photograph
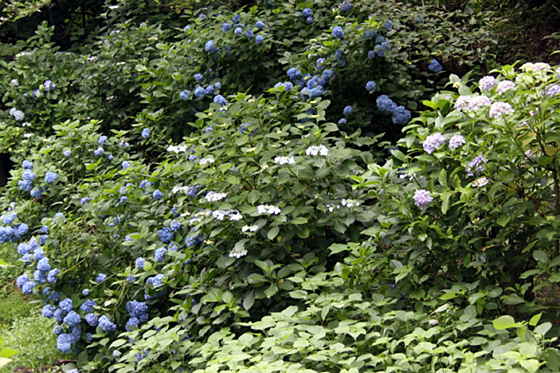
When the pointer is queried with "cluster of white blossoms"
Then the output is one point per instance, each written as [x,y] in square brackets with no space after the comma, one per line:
[350,202]
[285,160]
[198,216]
[233,215]
[207,160]
[177,149]
[236,253]
[480,182]
[268,209]
[249,228]
[332,207]
[315,150]
[215,197]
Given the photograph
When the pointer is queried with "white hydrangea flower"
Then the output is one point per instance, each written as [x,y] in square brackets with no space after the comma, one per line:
[177,149]
[332,207]
[207,160]
[315,150]
[480,182]
[219,214]
[249,228]
[350,203]
[215,197]
[487,83]
[237,253]
[268,209]
[285,160]
[14,82]
[234,215]
[530,67]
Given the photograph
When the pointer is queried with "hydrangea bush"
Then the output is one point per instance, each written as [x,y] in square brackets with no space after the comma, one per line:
[182,194]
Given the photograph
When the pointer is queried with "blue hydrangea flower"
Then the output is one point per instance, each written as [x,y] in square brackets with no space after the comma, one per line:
[236,19]
[39,277]
[48,311]
[388,25]
[307,12]
[157,194]
[67,153]
[183,95]
[259,39]
[59,216]
[401,116]
[98,152]
[370,86]
[20,230]
[338,32]
[52,275]
[72,319]
[250,34]
[209,46]
[43,265]
[36,193]
[155,281]
[259,24]
[132,324]
[139,262]
[102,140]
[199,92]
[137,309]
[100,277]
[198,77]
[309,20]
[21,280]
[435,66]
[109,157]
[159,254]
[64,343]
[48,85]
[9,218]
[85,292]
[25,185]
[294,73]
[238,31]
[146,133]
[371,55]
[347,110]
[422,198]
[125,165]
[342,121]
[106,325]
[66,305]
[92,319]
[174,225]
[88,305]
[28,175]
[26,165]
[219,99]
[345,6]
[165,234]
[50,177]
[27,288]
[209,90]
[226,27]
[385,104]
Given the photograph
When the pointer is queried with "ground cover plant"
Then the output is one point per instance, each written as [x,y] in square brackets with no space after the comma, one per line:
[292,186]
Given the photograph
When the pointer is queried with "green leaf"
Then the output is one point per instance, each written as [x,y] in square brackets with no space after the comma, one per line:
[543,328]
[503,220]
[273,232]
[249,300]
[8,352]
[531,365]
[504,322]
[535,319]
[540,256]
[449,295]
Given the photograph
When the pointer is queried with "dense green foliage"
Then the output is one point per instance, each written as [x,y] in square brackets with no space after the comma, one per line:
[226,190]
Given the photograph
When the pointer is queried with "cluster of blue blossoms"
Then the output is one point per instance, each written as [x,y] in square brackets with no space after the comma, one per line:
[399,114]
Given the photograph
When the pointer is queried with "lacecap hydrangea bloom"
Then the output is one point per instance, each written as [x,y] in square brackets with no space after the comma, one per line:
[315,150]
[422,198]
[285,160]
[268,209]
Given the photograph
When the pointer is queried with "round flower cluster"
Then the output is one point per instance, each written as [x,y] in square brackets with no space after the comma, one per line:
[505,86]
[456,141]
[422,198]
[315,150]
[500,108]
[399,114]
[17,114]
[487,83]
[215,197]
[435,66]
[476,165]
[433,142]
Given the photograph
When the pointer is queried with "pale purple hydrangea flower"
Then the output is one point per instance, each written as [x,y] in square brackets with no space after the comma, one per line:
[476,165]
[500,108]
[487,83]
[462,102]
[422,198]
[456,141]
[553,90]
[433,142]
[505,86]
[477,102]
